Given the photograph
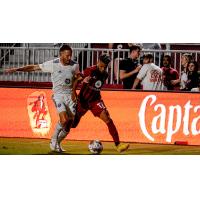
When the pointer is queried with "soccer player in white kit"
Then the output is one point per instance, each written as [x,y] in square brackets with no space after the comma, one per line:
[63,72]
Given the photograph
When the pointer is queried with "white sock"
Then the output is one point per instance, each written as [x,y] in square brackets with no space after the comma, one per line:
[56,131]
[61,136]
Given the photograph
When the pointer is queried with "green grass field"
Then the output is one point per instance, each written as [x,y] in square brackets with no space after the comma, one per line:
[21,146]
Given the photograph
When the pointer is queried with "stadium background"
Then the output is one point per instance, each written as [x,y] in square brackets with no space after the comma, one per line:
[123,105]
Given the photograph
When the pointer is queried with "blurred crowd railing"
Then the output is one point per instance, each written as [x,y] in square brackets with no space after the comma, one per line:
[20,56]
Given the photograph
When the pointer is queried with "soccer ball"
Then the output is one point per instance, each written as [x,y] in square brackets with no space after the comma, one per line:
[95,147]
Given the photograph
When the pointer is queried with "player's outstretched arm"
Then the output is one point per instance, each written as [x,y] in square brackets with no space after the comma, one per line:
[27,68]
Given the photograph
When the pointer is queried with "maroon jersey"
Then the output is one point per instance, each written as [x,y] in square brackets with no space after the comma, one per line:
[91,91]
[169,74]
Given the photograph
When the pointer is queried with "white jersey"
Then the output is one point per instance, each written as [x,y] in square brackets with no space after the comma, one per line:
[151,77]
[184,79]
[61,76]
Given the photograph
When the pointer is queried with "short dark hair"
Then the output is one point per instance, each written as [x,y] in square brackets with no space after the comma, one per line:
[148,56]
[169,58]
[196,66]
[65,47]
[134,47]
[105,59]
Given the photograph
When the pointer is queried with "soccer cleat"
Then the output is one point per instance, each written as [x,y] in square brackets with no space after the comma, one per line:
[61,149]
[54,146]
[122,147]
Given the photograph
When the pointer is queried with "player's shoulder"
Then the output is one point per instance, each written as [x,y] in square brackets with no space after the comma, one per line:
[125,60]
[92,68]
[149,65]
[173,70]
[73,62]
[124,63]
[55,61]
[155,66]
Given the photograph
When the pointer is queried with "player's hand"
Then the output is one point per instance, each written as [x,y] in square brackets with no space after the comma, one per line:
[78,77]
[174,82]
[87,79]
[11,70]
[74,96]
[137,69]
[188,81]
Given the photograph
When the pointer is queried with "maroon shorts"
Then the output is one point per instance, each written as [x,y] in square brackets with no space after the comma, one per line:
[95,107]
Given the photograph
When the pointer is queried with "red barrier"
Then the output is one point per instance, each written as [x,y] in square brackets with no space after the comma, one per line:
[147,117]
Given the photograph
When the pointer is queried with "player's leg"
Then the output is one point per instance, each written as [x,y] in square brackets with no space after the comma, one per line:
[67,119]
[111,126]
[63,126]
[80,112]
[113,131]
[61,131]
[99,110]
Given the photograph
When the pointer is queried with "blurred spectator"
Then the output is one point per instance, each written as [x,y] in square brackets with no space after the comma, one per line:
[150,75]
[193,76]
[170,75]
[152,46]
[185,59]
[130,67]
[118,56]
[148,46]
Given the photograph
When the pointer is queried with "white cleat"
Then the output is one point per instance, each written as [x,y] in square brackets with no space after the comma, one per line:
[54,146]
[61,149]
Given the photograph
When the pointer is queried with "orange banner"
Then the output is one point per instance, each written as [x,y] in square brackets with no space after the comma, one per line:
[146,117]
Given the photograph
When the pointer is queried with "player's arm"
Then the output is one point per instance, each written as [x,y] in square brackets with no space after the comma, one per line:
[27,68]
[142,73]
[124,74]
[86,75]
[177,80]
[136,82]
[77,78]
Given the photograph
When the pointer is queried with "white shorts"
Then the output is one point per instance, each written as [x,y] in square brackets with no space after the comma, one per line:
[64,103]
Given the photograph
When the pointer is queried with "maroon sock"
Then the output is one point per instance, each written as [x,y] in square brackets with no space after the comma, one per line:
[113,132]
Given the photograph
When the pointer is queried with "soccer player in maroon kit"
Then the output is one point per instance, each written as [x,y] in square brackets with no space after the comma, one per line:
[89,98]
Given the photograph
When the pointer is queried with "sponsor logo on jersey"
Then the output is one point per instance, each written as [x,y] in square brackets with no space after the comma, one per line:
[67,81]
[59,105]
[98,84]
